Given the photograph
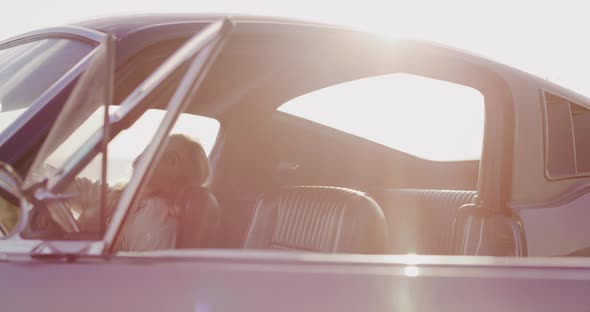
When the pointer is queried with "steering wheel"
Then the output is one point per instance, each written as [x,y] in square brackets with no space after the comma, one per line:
[58,209]
[61,212]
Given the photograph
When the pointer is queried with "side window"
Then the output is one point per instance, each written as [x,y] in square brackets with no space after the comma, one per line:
[567,146]
[427,118]
[123,150]
[126,146]
[30,69]
[73,206]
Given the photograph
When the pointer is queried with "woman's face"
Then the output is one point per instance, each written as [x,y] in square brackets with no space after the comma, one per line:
[183,162]
[167,172]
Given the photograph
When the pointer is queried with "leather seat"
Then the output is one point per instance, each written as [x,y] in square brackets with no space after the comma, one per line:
[420,220]
[200,217]
[199,221]
[320,219]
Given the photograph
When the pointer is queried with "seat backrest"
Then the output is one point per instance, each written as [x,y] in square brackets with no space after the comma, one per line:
[420,220]
[199,220]
[321,219]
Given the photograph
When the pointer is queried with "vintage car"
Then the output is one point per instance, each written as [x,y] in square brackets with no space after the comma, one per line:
[346,171]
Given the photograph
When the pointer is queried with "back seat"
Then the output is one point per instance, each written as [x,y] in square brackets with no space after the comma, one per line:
[419,220]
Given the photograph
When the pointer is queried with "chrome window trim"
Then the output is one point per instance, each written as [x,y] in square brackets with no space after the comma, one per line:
[69,32]
[31,247]
[75,32]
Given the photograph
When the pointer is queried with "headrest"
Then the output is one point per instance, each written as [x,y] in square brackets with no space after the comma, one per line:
[318,218]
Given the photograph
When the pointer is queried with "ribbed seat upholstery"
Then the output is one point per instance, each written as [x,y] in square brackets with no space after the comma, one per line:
[420,221]
[321,219]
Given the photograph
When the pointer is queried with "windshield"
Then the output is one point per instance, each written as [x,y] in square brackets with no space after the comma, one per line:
[86,108]
[29,70]
[87,102]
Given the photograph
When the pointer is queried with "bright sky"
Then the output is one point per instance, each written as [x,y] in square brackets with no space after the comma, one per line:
[546,38]
[403,112]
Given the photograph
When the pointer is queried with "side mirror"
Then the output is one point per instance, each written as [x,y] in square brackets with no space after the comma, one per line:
[12,202]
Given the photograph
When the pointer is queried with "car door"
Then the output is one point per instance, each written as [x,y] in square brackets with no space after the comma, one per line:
[48,188]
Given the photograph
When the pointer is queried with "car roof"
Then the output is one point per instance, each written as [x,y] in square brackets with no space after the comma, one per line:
[122,25]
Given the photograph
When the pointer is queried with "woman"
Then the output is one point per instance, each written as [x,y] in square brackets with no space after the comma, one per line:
[181,171]
[153,222]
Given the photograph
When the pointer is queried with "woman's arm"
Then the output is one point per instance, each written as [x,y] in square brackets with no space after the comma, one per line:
[88,202]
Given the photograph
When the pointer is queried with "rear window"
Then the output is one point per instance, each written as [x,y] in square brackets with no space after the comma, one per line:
[427,118]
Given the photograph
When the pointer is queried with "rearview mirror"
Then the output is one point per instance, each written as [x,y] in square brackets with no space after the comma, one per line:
[12,217]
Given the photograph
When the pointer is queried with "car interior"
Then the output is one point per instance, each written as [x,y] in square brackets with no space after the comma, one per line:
[280,181]
[285,182]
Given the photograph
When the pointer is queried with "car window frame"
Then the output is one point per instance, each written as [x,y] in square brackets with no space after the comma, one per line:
[292,107]
[211,39]
[15,244]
